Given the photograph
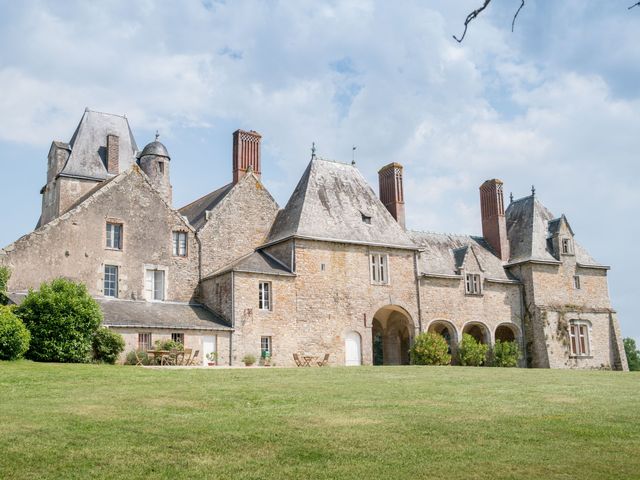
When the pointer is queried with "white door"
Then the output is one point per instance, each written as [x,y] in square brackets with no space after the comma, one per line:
[352,348]
[208,346]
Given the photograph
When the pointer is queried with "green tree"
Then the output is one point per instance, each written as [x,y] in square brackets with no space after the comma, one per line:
[430,349]
[633,355]
[107,345]
[62,318]
[14,336]
[5,275]
[471,352]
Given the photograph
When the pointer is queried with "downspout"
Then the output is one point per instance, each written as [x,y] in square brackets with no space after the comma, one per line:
[233,317]
[415,268]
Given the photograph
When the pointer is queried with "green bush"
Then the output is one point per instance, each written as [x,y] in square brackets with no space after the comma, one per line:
[505,354]
[107,345]
[249,360]
[430,349]
[168,345]
[62,318]
[14,336]
[471,352]
[132,360]
[633,355]
[5,275]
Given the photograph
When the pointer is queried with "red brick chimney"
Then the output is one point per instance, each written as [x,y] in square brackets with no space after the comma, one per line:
[113,154]
[246,153]
[391,190]
[494,223]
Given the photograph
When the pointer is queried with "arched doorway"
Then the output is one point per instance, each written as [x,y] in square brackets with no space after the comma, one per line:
[505,333]
[478,331]
[447,331]
[392,332]
[353,349]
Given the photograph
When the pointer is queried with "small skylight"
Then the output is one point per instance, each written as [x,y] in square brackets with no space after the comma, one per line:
[366,218]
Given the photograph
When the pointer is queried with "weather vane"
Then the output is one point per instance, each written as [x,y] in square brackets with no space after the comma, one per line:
[511,197]
[313,150]
[353,156]
[533,190]
[157,135]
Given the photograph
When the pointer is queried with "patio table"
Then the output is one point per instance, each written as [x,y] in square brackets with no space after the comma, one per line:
[307,360]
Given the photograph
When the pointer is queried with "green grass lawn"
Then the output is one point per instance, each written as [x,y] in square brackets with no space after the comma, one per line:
[89,421]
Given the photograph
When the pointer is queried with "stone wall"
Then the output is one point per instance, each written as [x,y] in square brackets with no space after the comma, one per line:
[217,294]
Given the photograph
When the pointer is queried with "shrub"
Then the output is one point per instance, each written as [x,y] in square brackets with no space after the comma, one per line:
[107,345]
[5,275]
[505,354]
[249,360]
[430,349]
[132,360]
[62,318]
[168,345]
[471,352]
[14,336]
[633,355]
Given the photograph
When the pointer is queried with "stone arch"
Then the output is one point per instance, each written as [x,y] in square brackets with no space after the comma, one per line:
[448,331]
[507,332]
[392,331]
[479,331]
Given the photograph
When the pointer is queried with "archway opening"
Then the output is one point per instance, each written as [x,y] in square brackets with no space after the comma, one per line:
[392,331]
[477,331]
[505,333]
[447,331]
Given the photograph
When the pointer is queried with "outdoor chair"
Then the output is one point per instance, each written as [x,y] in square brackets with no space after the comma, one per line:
[192,360]
[186,356]
[296,358]
[325,361]
[138,358]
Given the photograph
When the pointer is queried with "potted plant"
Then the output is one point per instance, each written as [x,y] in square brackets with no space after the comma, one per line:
[248,360]
[213,358]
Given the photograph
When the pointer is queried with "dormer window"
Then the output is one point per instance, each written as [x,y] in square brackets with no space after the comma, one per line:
[472,284]
[567,248]
[366,219]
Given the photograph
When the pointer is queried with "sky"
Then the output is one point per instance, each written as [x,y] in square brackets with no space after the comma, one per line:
[555,103]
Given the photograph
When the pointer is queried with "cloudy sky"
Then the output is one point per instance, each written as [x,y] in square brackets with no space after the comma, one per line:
[555,104]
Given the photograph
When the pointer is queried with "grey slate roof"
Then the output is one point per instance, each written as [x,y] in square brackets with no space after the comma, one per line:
[256,262]
[329,203]
[196,210]
[88,145]
[155,148]
[529,227]
[444,254]
[135,314]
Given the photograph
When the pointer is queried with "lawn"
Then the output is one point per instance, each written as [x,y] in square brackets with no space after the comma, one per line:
[90,421]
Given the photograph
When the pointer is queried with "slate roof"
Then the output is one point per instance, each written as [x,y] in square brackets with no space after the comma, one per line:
[196,210]
[256,262]
[136,314]
[89,145]
[445,253]
[330,203]
[529,228]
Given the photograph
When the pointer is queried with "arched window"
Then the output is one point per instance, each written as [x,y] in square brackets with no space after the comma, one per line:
[579,338]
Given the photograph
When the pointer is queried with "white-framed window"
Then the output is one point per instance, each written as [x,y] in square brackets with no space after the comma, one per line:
[110,281]
[144,341]
[576,282]
[178,338]
[379,268]
[180,244]
[114,236]
[579,338]
[154,284]
[264,296]
[265,346]
[567,248]
[472,284]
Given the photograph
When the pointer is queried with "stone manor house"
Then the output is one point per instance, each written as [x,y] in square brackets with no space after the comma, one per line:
[334,271]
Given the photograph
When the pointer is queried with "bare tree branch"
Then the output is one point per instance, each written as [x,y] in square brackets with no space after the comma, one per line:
[634,5]
[513,22]
[471,17]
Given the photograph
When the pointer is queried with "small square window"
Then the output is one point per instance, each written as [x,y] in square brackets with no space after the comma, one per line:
[366,219]
[379,268]
[322,267]
[178,338]
[472,284]
[579,338]
[180,244]
[144,341]
[114,236]
[264,296]
[566,246]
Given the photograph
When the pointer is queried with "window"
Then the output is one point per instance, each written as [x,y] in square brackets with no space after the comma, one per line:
[472,285]
[144,341]
[154,284]
[161,168]
[178,338]
[111,281]
[566,246]
[366,219]
[265,346]
[379,268]
[114,236]
[264,296]
[180,244]
[579,336]
[576,282]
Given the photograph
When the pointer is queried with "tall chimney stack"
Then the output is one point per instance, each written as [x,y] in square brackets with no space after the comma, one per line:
[392,191]
[494,223]
[113,154]
[246,153]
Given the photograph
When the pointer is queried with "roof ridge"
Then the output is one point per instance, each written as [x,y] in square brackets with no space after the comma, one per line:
[203,196]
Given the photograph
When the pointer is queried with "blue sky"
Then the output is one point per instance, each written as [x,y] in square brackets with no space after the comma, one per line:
[555,104]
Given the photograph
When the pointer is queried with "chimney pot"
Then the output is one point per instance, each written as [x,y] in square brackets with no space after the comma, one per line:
[494,224]
[392,190]
[113,154]
[246,154]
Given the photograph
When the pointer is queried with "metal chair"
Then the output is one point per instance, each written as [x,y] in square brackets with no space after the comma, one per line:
[325,361]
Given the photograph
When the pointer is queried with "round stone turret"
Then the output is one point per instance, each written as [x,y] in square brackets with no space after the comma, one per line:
[154,161]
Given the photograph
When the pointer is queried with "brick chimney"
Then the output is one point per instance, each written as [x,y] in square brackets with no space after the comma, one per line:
[494,223]
[113,154]
[246,153]
[392,191]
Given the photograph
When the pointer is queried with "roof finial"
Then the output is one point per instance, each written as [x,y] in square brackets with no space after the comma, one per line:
[353,156]
[511,197]
[533,190]
[157,135]
[313,150]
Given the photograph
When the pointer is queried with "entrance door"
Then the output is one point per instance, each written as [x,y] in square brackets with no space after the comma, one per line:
[208,346]
[352,348]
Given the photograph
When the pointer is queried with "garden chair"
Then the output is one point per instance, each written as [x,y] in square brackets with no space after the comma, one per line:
[186,356]
[296,358]
[192,360]
[138,358]
[325,361]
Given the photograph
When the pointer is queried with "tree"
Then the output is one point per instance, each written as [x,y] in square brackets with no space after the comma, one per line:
[5,275]
[107,345]
[633,355]
[62,318]
[430,349]
[14,336]
[471,352]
